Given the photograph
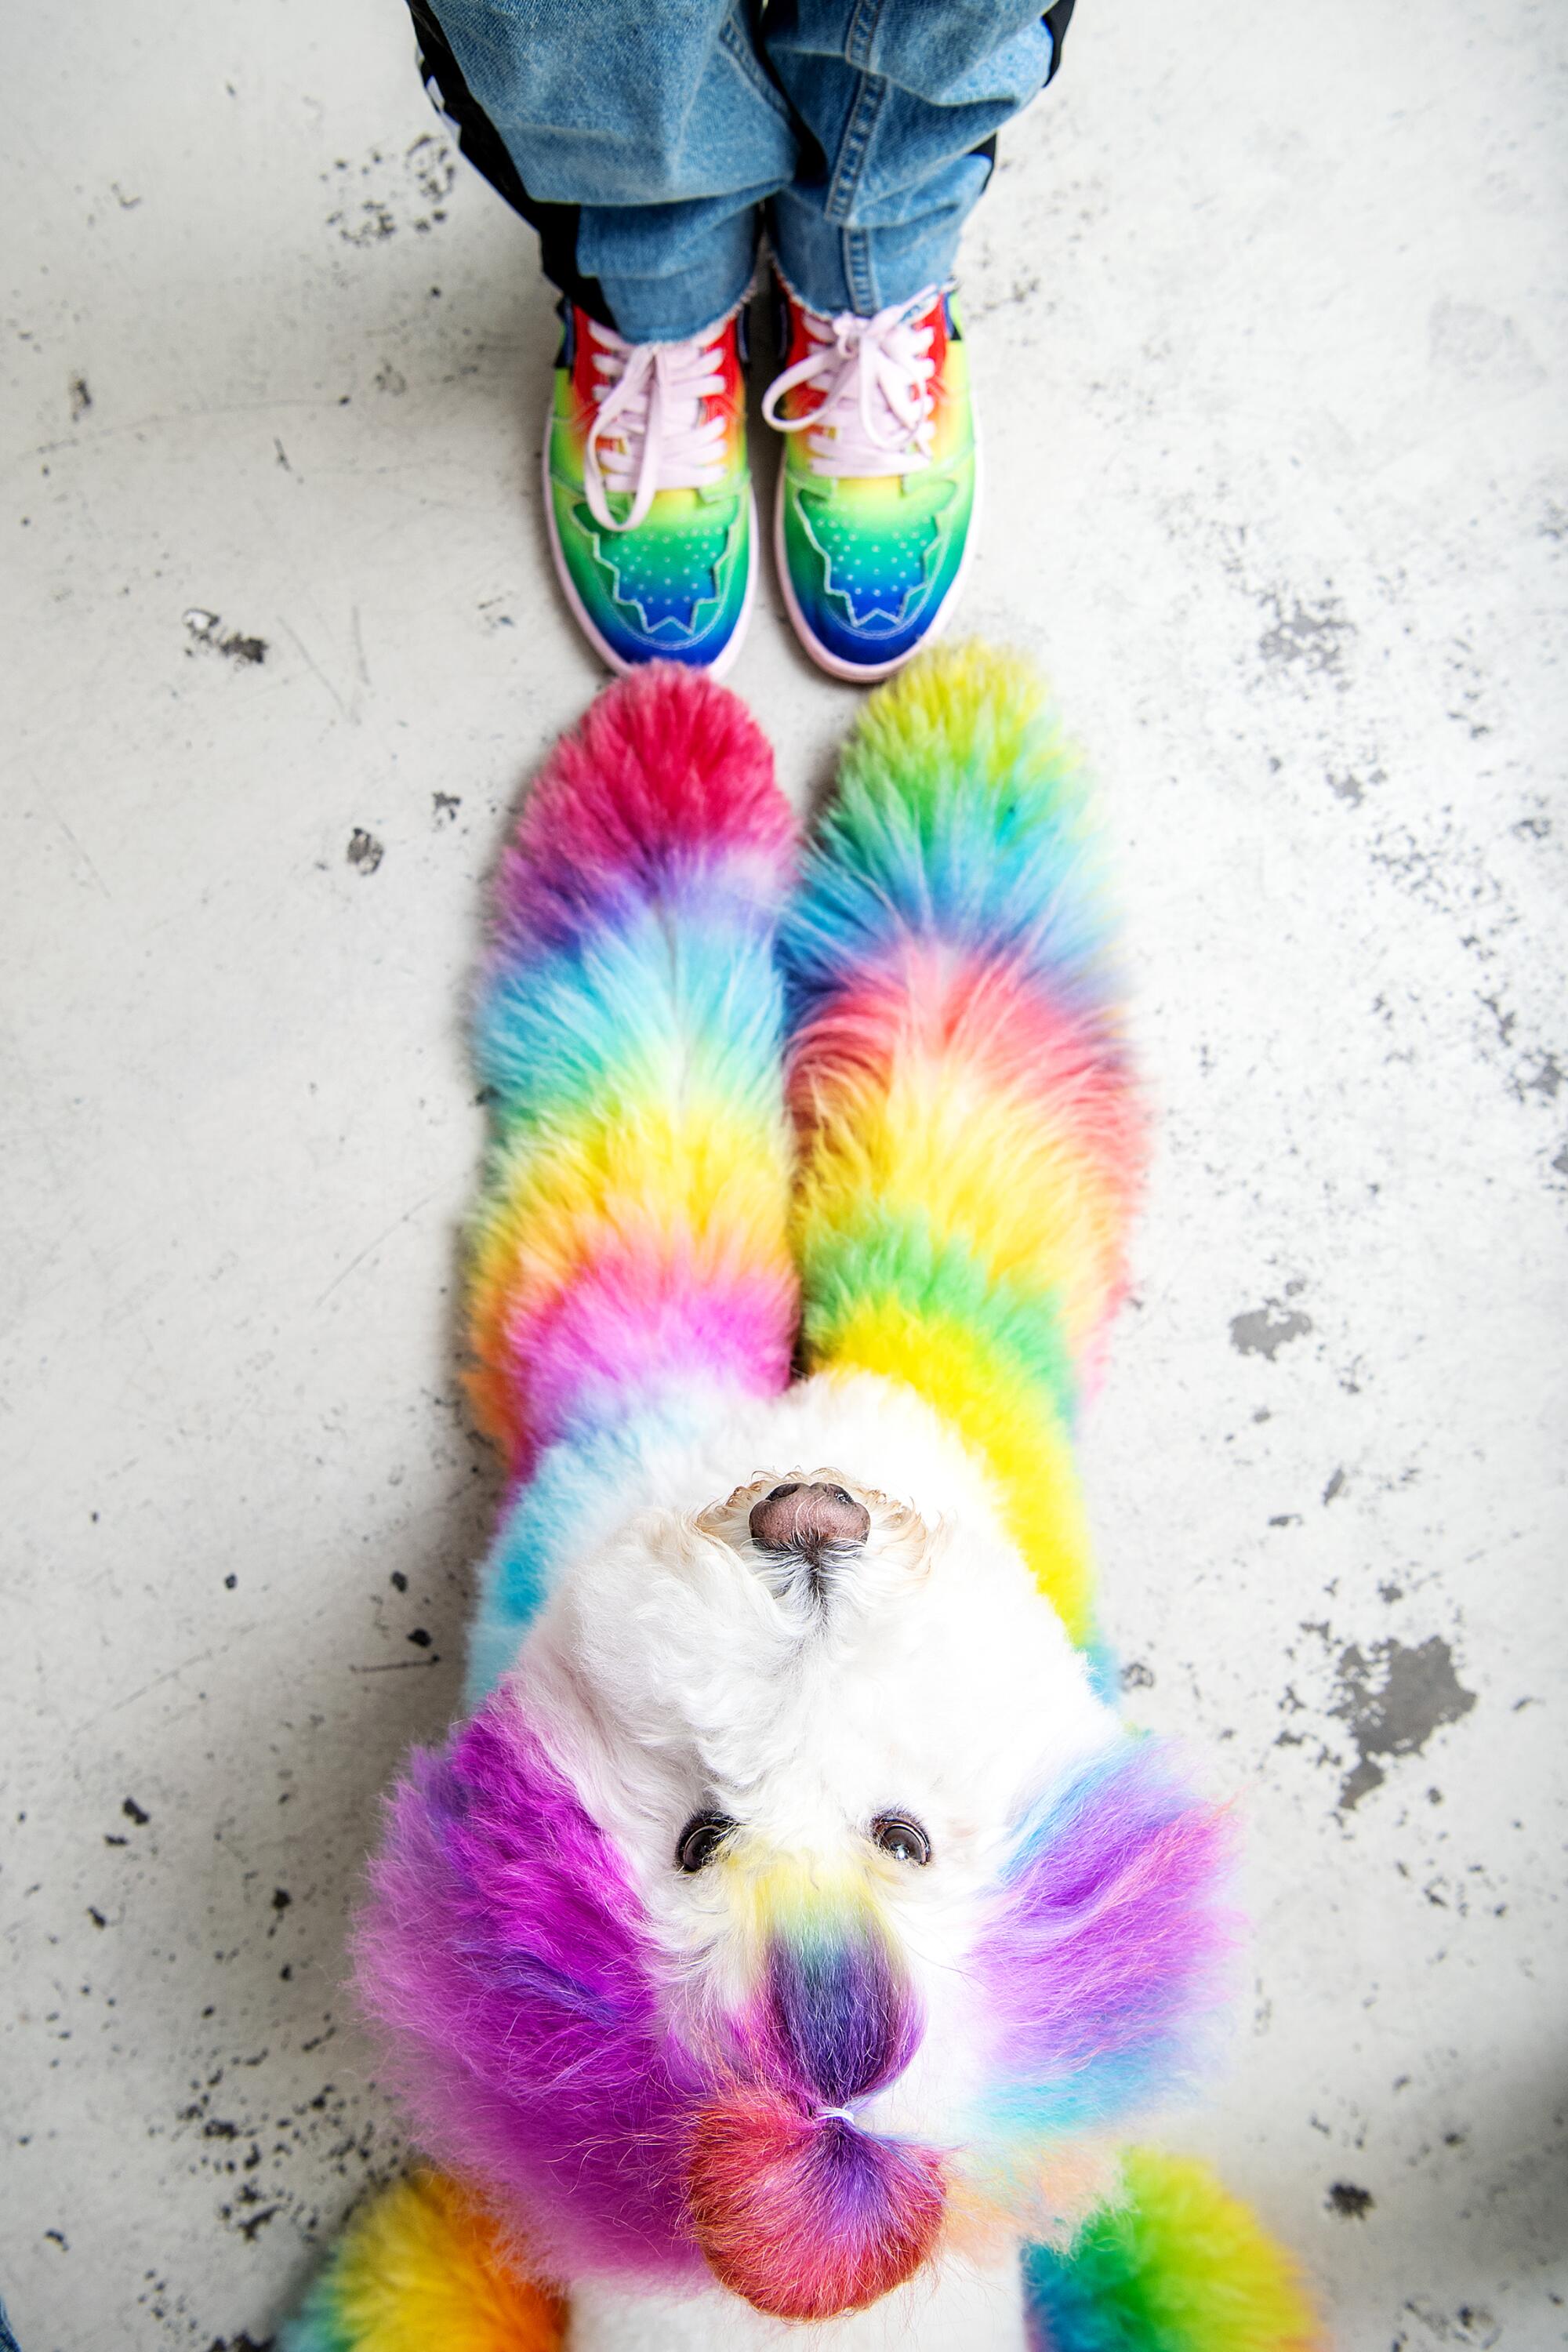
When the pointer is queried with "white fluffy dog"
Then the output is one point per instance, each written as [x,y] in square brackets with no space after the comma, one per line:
[792,1930]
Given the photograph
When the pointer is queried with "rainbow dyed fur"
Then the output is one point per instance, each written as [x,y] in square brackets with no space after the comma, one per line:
[791,1933]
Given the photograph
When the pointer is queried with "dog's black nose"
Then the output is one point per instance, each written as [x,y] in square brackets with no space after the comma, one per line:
[813,1523]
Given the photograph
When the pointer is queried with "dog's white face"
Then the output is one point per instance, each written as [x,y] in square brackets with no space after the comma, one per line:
[882,1719]
[917,1670]
[713,1666]
[797,1876]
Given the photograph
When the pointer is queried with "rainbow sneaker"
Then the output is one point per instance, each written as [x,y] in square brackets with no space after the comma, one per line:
[877,489]
[647,494]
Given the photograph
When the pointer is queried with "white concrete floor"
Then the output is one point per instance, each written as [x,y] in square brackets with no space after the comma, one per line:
[1267,307]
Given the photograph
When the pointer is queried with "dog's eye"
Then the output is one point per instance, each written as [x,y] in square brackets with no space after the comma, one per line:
[901,1836]
[701,1838]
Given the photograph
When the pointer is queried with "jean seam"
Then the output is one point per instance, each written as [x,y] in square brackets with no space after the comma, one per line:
[747,63]
[858,42]
[858,135]
[859,271]
[862,33]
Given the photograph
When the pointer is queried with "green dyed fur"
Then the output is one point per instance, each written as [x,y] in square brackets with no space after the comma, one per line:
[884,1257]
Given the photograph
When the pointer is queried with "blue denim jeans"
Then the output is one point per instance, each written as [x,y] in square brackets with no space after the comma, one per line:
[649,141]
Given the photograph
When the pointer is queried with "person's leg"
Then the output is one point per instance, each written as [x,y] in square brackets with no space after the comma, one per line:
[641,140]
[899,103]
[640,137]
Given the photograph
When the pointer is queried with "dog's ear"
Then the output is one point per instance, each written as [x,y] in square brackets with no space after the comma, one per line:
[514,1974]
[506,1958]
[1100,1955]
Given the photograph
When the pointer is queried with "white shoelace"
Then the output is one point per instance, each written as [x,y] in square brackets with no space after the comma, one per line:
[875,416]
[650,433]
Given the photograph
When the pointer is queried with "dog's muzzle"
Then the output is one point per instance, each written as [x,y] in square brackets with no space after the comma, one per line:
[818,1525]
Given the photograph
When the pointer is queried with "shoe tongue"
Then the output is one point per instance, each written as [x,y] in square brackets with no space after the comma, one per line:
[882,450]
[678,409]
[662,428]
[881,440]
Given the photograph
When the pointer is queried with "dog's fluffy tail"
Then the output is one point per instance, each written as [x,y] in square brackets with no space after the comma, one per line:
[971,1137]
[1177,2265]
[422,2267]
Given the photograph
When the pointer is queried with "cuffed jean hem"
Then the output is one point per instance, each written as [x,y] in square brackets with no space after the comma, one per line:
[704,326]
[831,265]
[669,308]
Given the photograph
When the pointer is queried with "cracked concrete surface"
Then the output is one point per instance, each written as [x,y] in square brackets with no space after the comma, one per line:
[1268,317]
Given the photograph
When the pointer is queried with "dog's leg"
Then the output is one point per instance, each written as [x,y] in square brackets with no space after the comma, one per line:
[630,1274]
[971,1137]
[971,1144]
[631,1266]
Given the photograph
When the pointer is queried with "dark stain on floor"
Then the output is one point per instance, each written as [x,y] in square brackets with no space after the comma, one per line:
[250,2153]
[1351,2203]
[393,192]
[1392,1699]
[1310,638]
[206,630]
[1264,1330]
[365,853]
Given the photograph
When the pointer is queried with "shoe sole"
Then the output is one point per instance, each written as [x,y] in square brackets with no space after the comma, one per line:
[719,667]
[869,673]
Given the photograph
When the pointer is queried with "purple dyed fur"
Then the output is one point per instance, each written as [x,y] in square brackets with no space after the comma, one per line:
[511,1966]
[506,1960]
[842,2023]
[1103,1951]
[534,914]
[632,1320]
